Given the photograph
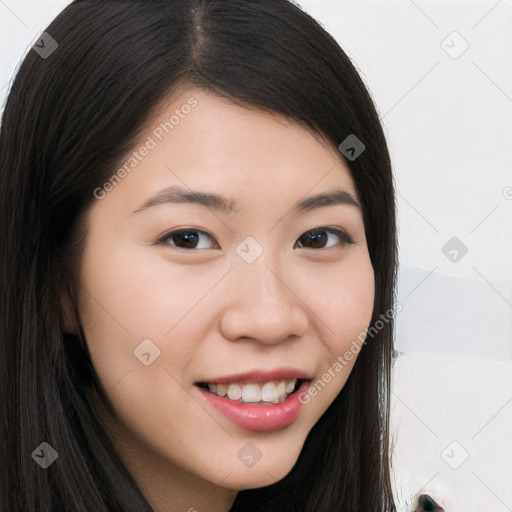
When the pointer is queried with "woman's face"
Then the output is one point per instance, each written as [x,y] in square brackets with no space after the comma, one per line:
[180,292]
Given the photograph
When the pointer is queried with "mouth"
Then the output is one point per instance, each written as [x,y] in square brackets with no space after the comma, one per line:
[259,400]
[255,393]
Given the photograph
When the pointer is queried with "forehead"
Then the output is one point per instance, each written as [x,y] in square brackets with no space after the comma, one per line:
[198,141]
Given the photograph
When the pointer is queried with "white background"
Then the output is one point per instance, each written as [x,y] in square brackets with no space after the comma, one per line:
[447,115]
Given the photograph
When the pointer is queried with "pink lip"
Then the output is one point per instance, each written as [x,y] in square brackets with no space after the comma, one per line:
[261,376]
[262,418]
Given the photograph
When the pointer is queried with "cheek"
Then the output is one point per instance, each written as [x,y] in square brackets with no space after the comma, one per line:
[344,307]
[126,304]
[127,300]
[345,303]
[137,295]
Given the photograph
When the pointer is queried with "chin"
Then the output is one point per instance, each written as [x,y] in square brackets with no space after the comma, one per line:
[247,480]
[261,474]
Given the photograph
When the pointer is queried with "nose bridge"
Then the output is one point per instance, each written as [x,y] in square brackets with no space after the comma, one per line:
[259,267]
[271,286]
[263,305]
[267,289]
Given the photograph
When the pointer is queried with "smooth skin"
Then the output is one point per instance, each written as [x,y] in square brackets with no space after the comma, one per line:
[300,304]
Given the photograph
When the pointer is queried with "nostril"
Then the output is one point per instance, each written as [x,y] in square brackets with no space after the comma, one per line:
[427,504]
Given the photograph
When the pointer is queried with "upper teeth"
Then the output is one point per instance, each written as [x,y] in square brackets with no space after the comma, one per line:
[270,392]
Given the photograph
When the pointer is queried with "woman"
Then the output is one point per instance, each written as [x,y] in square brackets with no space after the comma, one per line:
[198,265]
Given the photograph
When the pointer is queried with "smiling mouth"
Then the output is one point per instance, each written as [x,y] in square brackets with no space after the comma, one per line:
[264,393]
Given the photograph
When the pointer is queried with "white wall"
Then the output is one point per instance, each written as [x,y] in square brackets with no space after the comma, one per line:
[447,112]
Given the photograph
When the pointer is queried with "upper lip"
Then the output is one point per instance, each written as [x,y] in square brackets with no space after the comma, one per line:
[261,376]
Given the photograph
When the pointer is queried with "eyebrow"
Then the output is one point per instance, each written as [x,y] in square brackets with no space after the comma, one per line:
[177,194]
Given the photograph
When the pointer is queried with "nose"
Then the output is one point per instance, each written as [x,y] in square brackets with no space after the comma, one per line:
[264,304]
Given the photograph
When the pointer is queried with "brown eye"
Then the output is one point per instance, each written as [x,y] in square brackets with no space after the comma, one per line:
[319,237]
[188,239]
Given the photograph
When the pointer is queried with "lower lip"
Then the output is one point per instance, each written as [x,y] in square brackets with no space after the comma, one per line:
[261,418]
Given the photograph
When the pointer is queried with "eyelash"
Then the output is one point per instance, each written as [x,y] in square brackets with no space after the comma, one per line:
[346,239]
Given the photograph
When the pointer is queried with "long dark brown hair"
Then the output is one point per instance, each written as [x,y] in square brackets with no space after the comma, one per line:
[70,117]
